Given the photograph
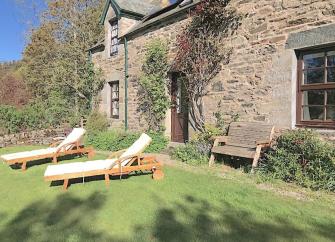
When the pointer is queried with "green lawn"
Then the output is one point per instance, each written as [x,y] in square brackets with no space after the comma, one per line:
[185,206]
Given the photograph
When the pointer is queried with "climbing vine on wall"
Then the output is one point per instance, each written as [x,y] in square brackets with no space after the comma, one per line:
[201,52]
[154,101]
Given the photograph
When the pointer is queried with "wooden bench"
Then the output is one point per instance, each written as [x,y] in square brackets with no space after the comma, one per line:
[244,139]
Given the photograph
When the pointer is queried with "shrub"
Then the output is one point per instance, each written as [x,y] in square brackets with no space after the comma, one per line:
[96,123]
[119,140]
[300,156]
[190,154]
[11,118]
[197,151]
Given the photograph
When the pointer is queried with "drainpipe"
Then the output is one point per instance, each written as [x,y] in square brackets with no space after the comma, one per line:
[126,83]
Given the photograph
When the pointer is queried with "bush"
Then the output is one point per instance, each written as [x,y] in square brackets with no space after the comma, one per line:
[190,154]
[11,118]
[96,123]
[300,156]
[197,151]
[119,140]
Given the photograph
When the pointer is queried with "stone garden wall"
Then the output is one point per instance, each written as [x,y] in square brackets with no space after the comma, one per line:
[40,137]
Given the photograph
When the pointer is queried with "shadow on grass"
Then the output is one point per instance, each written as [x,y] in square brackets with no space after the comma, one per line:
[68,218]
[198,220]
[80,180]
[31,164]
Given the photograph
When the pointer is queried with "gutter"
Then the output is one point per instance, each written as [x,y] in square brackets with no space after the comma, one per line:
[126,83]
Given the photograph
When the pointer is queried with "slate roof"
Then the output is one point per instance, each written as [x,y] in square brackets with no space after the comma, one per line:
[152,13]
[143,7]
[162,15]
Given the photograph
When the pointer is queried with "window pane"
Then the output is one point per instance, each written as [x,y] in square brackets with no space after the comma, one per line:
[314,60]
[115,108]
[313,113]
[331,113]
[331,97]
[331,58]
[314,97]
[314,76]
[330,74]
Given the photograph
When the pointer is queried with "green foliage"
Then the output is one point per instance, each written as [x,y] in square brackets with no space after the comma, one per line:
[221,121]
[300,156]
[190,154]
[56,64]
[96,123]
[154,101]
[115,140]
[197,151]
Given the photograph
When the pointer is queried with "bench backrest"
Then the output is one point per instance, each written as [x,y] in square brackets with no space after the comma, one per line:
[249,133]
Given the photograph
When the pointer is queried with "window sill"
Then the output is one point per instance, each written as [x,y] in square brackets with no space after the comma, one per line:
[317,126]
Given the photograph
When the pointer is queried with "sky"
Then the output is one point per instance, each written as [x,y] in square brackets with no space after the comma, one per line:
[16,18]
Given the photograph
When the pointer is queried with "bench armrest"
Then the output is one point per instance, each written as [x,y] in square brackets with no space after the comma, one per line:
[263,142]
[220,139]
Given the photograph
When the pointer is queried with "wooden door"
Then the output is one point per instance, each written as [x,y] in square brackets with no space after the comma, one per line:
[179,111]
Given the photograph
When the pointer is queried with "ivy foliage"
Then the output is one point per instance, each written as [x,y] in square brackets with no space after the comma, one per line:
[154,98]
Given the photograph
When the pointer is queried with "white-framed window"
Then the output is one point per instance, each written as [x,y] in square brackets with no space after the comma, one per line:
[114,46]
[115,99]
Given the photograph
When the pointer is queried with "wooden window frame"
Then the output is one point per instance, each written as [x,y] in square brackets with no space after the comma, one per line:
[115,99]
[306,87]
[114,39]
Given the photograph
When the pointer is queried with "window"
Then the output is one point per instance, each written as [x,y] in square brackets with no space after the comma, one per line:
[316,88]
[115,99]
[114,38]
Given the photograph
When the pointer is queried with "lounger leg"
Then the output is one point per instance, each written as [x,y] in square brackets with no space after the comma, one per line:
[256,158]
[90,154]
[107,180]
[65,184]
[24,166]
[54,160]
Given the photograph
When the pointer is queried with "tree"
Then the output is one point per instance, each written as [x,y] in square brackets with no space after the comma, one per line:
[56,58]
[154,99]
[201,52]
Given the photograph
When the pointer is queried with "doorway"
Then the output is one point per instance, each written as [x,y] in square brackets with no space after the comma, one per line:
[179,110]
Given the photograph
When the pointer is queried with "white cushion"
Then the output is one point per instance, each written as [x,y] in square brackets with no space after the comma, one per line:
[26,154]
[138,147]
[74,136]
[78,167]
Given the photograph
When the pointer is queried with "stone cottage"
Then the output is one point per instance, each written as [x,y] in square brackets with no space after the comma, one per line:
[282,69]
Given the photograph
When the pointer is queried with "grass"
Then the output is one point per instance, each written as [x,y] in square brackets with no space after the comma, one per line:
[185,206]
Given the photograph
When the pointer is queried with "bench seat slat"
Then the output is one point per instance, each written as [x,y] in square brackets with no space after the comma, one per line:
[235,151]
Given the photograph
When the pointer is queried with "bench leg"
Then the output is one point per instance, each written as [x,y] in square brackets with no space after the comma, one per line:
[107,180]
[212,160]
[256,158]
[65,184]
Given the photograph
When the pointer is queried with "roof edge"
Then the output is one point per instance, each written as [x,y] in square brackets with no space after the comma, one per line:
[118,11]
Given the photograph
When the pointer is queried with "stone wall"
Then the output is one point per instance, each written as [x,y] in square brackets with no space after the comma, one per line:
[39,137]
[258,84]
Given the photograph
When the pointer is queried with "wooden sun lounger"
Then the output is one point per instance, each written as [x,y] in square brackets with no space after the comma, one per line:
[139,163]
[245,139]
[118,163]
[63,150]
